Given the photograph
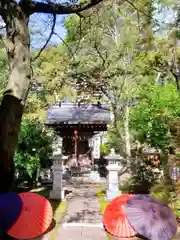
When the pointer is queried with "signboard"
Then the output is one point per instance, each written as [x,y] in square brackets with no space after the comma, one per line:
[96,147]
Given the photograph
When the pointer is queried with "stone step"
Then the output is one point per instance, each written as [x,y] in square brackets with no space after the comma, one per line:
[86,225]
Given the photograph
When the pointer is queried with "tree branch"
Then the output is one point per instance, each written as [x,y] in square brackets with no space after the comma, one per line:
[66,44]
[100,55]
[123,171]
[176,79]
[66,8]
[49,38]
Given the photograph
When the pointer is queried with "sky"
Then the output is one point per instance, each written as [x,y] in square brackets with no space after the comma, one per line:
[41,29]
[40,25]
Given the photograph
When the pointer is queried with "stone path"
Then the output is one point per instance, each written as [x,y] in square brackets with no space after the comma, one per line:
[83,219]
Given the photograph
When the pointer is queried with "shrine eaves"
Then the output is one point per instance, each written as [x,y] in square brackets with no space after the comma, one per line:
[67,116]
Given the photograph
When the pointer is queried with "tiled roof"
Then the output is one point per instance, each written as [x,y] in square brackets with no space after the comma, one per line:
[70,112]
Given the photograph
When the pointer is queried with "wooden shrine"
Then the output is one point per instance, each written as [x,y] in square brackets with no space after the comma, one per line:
[77,123]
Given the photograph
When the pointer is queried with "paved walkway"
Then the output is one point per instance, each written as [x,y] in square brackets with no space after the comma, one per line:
[83,219]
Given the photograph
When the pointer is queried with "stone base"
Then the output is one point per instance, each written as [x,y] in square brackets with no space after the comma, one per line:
[57,194]
[94,176]
[110,195]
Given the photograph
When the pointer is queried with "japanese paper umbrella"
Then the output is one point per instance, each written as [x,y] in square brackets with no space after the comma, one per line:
[35,218]
[151,218]
[10,208]
[115,220]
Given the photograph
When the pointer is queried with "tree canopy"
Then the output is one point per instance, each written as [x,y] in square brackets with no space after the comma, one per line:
[15,18]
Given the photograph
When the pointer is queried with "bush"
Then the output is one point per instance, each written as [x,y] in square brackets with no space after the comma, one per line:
[162,192]
[142,177]
[133,186]
[34,149]
[167,194]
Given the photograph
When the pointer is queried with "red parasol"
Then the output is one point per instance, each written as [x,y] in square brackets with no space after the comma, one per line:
[35,217]
[115,220]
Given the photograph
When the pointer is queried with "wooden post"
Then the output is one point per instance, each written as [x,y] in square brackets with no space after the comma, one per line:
[76,144]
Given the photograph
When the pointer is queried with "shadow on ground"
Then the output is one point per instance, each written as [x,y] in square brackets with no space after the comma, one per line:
[79,216]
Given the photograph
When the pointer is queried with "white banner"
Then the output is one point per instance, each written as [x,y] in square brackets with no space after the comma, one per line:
[96,147]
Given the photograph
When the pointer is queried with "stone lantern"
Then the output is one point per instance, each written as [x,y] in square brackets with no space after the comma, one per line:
[57,192]
[113,167]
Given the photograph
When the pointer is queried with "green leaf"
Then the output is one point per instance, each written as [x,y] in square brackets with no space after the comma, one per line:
[34,148]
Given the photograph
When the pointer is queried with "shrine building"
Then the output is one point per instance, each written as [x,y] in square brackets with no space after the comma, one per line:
[76,124]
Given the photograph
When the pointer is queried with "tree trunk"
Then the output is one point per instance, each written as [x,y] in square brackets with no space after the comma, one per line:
[18,51]
[126,130]
[32,181]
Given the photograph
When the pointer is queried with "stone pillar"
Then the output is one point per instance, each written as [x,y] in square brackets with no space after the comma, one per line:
[57,192]
[113,167]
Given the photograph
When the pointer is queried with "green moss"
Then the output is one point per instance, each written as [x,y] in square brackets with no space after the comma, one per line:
[103,203]
[59,207]
[59,213]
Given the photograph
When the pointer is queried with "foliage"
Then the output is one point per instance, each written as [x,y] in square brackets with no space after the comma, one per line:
[48,84]
[105,61]
[142,177]
[113,141]
[166,193]
[119,54]
[15,16]
[163,191]
[49,70]
[175,133]
[120,48]
[34,148]
[103,203]
[103,149]
[151,118]
[110,60]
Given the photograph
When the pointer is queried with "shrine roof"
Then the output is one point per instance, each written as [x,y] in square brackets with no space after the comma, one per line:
[71,113]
